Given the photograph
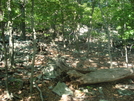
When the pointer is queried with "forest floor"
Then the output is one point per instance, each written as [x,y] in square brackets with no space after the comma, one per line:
[97,57]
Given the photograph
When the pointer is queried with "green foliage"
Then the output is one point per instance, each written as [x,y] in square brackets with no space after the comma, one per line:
[128,34]
[89,87]
[97,18]
[47,35]
[67,14]
[123,17]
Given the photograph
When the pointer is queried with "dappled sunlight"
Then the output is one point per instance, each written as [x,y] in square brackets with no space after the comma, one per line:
[66,50]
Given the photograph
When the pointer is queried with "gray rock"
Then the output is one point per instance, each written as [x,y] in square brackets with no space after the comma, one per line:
[62,89]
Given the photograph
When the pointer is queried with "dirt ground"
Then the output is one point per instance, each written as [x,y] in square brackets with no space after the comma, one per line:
[111,91]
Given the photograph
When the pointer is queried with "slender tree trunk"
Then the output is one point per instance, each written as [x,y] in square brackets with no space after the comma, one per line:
[5,59]
[126,55]
[125,47]
[2,27]
[10,33]
[76,36]
[53,25]
[11,48]
[22,8]
[90,24]
[108,34]
[34,48]
[62,21]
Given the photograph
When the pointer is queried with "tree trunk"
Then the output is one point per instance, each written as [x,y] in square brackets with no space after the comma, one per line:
[34,48]
[22,8]
[11,47]
[108,34]
[2,27]
[90,24]
[10,33]
[126,55]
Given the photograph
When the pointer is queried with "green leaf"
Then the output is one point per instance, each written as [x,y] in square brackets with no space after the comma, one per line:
[88,87]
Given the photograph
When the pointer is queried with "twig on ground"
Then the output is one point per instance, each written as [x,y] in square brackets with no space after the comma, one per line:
[40,92]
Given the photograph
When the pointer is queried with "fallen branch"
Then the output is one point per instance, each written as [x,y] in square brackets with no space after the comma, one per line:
[103,75]
[40,92]
[92,75]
